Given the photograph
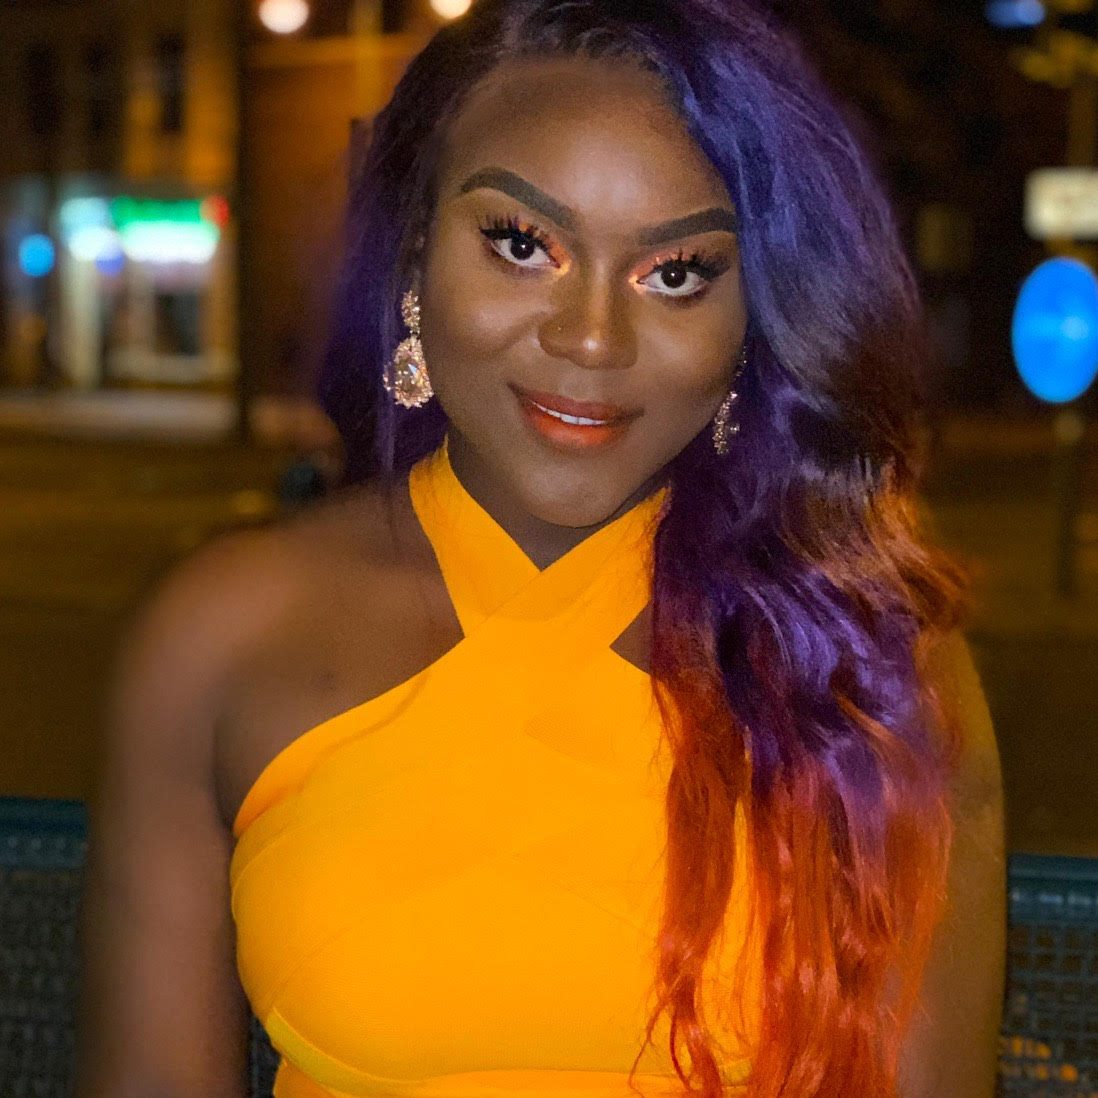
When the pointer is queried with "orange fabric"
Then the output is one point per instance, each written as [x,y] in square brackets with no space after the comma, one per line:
[453,890]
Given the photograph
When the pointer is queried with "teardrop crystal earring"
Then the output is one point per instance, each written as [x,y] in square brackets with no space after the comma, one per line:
[724,429]
[405,377]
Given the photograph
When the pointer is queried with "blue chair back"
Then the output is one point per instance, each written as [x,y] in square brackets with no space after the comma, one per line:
[1049,1042]
[43,844]
[1048,1047]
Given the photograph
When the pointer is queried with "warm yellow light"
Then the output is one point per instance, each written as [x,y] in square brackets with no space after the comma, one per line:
[451,9]
[283,16]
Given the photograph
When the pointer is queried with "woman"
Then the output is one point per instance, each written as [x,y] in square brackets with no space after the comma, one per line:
[644,430]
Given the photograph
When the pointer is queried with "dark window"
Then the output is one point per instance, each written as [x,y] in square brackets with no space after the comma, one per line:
[394,15]
[179,323]
[171,80]
[43,90]
[1085,23]
[97,69]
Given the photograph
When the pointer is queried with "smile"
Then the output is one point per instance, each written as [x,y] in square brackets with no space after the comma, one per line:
[572,425]
[579,421]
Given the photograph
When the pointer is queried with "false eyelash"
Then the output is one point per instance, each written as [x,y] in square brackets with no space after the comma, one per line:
[706,267]
[499,228]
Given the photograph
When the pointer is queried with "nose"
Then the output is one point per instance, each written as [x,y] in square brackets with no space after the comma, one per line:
[591,326]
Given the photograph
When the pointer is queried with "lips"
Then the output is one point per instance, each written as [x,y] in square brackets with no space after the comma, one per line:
[604,414]
[588,426]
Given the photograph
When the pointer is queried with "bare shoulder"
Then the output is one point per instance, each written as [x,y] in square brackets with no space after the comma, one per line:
[955,675]
[162,1007]
[211,607]
[951,1048]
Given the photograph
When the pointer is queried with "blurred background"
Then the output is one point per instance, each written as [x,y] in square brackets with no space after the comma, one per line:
[172,177]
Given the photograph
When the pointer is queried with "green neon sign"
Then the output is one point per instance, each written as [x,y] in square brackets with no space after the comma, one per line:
[126,212]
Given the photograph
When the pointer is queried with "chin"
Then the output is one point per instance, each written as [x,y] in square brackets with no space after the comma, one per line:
[577,502]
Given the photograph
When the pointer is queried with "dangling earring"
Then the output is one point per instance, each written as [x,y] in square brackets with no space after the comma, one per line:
[723,428]
[405,378]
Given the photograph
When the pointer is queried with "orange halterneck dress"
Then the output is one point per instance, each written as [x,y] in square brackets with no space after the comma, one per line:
[453,890]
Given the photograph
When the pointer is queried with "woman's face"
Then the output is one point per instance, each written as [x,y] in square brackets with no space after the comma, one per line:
[582,258]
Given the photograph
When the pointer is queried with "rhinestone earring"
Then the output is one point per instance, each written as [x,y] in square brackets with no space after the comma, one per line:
[405,378]
[724,429]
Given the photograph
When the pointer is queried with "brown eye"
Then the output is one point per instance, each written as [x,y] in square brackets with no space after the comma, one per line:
[674,275]
[675,279]
[518,246]
[681,276]
[522,248]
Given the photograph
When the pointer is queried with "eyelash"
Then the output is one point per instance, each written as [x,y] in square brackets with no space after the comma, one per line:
[500,228]
[698,264]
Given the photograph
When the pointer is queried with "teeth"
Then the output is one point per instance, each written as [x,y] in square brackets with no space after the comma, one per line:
[579,421]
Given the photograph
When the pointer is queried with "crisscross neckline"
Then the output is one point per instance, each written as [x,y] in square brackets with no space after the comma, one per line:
[485,570]
[532,627]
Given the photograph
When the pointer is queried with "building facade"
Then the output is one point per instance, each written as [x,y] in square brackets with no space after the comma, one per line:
[132,250]
[119,146]
[308,98]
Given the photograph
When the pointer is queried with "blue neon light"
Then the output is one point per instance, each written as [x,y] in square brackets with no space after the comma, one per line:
[36,255]
[1013,14]
[111,263]
[1055,330]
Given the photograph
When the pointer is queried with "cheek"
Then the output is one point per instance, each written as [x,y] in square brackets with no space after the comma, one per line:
[471,318]
[693,356]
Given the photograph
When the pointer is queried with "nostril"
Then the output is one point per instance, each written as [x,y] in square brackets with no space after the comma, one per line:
[592,337]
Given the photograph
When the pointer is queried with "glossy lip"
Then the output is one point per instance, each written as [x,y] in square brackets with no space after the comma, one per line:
[608,414]
[572,438]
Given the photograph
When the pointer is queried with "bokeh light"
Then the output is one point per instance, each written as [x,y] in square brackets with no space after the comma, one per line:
[169,242]
[1015,13]
[216,210]
[111,264]
[83,213]
[94,242]
[451,9]
[283,16]
[36,255]
[165,231]
[1055,331]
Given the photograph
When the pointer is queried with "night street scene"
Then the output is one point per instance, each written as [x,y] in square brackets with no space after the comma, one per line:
[174,186]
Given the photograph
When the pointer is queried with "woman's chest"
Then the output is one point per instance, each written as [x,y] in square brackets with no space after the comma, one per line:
[450,847]
[342,649]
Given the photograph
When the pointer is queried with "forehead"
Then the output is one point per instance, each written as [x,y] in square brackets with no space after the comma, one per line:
[600,136]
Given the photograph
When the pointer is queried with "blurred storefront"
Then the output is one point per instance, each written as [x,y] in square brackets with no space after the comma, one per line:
[116,240]
[171,211]
[142,287]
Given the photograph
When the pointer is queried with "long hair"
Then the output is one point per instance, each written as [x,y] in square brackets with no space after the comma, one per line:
[795,600]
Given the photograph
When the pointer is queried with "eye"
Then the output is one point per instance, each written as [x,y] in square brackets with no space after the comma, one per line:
[523,246]
[681,276]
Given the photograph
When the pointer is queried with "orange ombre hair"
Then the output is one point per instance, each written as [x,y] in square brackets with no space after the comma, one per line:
[848,811]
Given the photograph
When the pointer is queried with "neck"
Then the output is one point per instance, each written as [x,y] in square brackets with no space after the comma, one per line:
[543,542]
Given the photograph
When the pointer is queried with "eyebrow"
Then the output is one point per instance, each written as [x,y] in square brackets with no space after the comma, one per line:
[498,179]
[716,219]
